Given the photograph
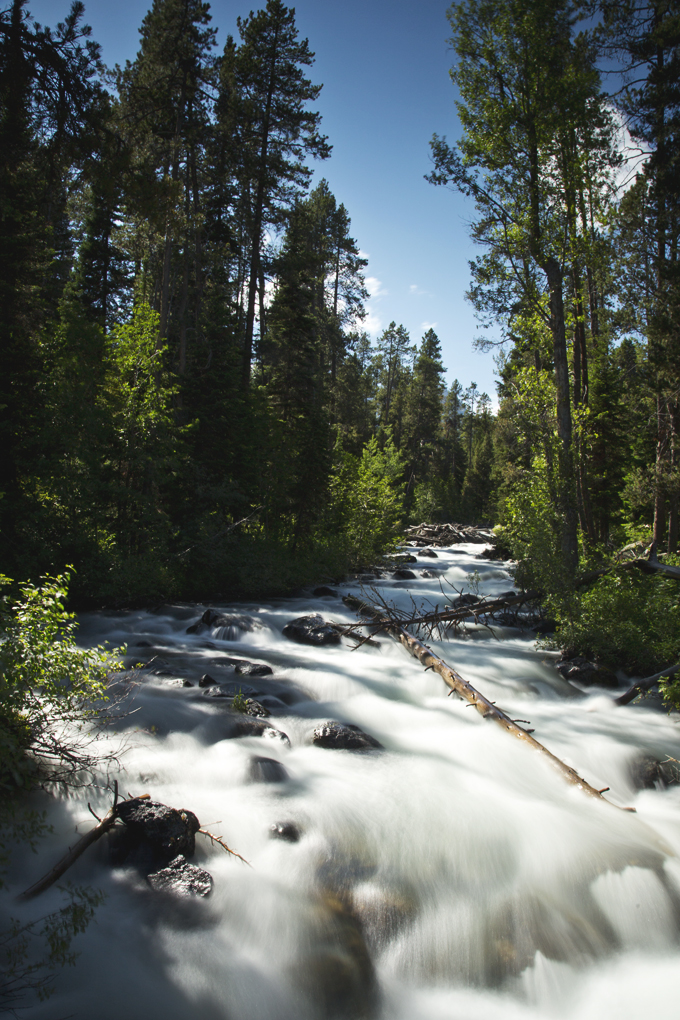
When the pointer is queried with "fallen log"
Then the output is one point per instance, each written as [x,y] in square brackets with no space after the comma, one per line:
[75,852]
[651,564]
[487,709]
[641,686]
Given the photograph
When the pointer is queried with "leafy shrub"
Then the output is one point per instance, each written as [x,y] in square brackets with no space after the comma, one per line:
[626,620]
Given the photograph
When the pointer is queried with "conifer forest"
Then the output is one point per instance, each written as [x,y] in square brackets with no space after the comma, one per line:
[194,412]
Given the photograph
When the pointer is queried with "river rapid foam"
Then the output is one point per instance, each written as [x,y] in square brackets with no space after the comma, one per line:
[451,876]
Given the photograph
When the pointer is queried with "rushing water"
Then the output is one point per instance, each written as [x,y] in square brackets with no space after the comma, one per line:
[452,876]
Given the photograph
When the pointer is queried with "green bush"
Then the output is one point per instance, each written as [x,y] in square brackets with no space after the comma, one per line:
[626,620]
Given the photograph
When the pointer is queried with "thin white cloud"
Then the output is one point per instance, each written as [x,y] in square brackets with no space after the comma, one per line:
[374,287]
[428,325]
[417,291]
[372,323]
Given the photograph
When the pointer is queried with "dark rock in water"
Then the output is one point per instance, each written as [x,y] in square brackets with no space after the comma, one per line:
[217,691]
[206,680]
[311,630]
[648,773]
[154,834]
[428,552]
[143,644]
[402,574]
[271,702]
[324,592]
[255,708]
[245,668]
[340,736]
[406,558]
[230,626]
[181,878]
[507,594]
[468,599]
[233,725]
[584,672]
[266,770]
[187,683]
[429,573]
[287,831]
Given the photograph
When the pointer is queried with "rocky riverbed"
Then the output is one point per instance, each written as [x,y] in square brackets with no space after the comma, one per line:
[406,859]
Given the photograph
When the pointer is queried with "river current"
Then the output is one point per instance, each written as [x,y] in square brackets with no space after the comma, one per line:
[451,876]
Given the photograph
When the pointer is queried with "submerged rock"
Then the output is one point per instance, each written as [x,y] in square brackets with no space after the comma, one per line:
[403,574]
[585,672]
[468,599]
[341,736]
[429,573]
[428,552]
[246,668]
[229,626]
[266,770]
[182,878]
[324,592]
[311,630]
[287,831]
[648,773]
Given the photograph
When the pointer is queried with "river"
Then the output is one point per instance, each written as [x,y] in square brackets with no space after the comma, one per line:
[451,876]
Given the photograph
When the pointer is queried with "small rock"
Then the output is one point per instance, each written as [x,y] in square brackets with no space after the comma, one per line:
[253,669]
[339,736]
[187,683]
[206,680]
[402,574]
[324,592]
[407,558]
[311,630]
[587,673]
[468,599]
[182,878]
[429,573]
[287,831]
[256,709]
[428,552]
[266,770]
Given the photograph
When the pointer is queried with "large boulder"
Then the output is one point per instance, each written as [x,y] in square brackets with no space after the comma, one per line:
[246,668]
[312,630]
[430,553]
[182,879]
[403,574]
[154,834]
[341,736]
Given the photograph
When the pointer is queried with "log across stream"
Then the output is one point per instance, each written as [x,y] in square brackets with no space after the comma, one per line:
[449,874]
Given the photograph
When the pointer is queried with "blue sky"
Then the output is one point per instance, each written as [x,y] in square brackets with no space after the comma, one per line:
[384,67]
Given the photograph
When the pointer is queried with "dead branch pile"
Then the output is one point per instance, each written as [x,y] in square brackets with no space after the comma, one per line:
[446,534]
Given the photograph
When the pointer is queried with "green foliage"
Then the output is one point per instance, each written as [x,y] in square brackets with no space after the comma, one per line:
[239,702]
[627,620]
[49,688]
[367,500]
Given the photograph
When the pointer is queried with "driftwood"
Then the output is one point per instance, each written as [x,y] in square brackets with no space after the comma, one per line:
[650,564]
[486,708]
[103,825]
[75,852]
[640,686]
[443,535]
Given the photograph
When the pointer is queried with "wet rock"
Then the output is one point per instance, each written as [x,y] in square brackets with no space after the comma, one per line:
[402,574]
[510,594]
[273,703]
[428,552]
[254,708]
[406,558]
[429,573]
[341,736]
[266,770]
[154,834]
[588,673]
[648,773]
[181,878]
[245,668]
[287,831]
[226,626]
[337,973]
[206,680]
[324,592]
[468,599]
[143,644]
[311,630]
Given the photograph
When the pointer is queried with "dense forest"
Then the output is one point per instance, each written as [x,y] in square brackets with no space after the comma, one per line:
[182,325]
[189,403]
